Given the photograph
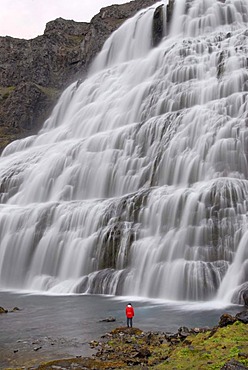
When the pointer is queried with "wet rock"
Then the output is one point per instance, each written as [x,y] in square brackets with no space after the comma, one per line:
[226,319]
[158,25]
[2,310]
[37,348]
[200,330]
[94,344]
[108,319]
[221,65]
[169,10]
[183,331]
[15,309]
[234,365]
[245,297]
[242,316]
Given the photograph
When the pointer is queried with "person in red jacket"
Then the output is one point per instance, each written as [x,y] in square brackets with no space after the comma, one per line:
[130,315]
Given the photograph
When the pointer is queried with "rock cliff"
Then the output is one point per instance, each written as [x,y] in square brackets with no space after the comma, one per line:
[34,72]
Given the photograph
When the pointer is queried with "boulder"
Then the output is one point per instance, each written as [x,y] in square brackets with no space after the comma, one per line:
[242,316]
[226,319]
[108,319]
[183,331]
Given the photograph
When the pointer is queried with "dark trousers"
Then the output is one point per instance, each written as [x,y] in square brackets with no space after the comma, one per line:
[129,322]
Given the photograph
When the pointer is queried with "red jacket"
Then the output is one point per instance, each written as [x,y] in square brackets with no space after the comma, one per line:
[129,311]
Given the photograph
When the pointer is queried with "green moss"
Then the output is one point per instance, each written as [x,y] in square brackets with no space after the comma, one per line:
[6,91]
[51,92]
[212,352]
[76,39]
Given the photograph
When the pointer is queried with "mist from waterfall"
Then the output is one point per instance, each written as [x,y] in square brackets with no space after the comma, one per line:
[137,183]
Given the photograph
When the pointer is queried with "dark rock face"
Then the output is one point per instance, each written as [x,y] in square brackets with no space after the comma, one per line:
[158,25]
[169,10]
[227,319]
[34,72]
[26,107]
[245,297]
[242,316]
[45,59]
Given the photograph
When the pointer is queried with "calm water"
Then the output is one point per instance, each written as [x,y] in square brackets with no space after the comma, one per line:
[50,327]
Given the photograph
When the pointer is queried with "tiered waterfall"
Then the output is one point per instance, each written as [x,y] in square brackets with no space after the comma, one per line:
[138,182]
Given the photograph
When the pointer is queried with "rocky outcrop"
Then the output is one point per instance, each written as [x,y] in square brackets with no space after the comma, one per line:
[158,25]
[34,72]
[27,107]
[226,319]
[245,297]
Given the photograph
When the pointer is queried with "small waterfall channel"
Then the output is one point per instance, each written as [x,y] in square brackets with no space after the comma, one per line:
[138,182]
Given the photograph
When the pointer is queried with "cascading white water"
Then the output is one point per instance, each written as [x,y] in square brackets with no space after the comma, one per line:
[137,183]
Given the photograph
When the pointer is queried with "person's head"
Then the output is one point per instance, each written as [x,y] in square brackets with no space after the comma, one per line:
[129,304]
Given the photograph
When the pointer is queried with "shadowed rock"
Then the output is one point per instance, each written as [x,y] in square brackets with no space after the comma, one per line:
[245,297]
[158,25]
[242,316]
[2,310]
[226,319]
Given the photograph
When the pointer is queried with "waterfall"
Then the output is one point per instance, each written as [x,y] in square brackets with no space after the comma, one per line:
[137,184]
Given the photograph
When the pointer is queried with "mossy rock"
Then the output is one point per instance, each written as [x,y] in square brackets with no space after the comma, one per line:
[125,330]
[5,92]
[207,351]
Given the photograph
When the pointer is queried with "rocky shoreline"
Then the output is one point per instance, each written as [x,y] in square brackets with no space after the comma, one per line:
[224,347]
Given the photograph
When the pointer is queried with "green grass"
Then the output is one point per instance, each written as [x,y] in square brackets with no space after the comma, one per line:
[204,351]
